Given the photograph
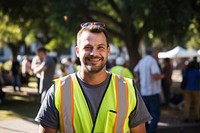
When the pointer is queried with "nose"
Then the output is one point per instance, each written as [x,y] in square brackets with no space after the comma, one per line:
[93,52]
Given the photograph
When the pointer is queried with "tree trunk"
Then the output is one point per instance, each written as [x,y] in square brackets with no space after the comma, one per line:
[132,41]
[14,48]
[133,52]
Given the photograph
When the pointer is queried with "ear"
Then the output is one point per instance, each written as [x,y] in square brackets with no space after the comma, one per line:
[77,51]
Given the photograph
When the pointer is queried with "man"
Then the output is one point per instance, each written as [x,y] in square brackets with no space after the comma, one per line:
[166,82]
[150,86]
[35,64]
[120,68]
[46,70]
[16,75]
[71,66]
[26,69]
[192,92]
[93,100]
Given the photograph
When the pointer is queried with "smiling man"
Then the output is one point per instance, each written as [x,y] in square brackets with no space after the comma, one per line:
[93,100]
[93,51]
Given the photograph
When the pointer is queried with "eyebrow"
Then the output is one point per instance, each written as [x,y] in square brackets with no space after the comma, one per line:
[97,45]
[101,44]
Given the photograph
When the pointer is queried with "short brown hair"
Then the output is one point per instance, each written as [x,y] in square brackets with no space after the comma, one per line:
[93,29]
[42,49]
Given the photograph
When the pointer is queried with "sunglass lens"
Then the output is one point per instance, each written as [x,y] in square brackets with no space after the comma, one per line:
[101,24]
[93,23]
[85,24]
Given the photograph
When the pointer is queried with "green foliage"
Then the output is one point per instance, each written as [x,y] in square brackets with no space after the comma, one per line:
[27,21]
[9,32]
[30,38]
[166,19]
[194,42]
[54,44]
[128,21]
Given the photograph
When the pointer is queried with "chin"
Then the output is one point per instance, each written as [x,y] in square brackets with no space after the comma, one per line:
[94,70]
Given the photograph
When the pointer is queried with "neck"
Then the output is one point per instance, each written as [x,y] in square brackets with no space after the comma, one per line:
[93,78]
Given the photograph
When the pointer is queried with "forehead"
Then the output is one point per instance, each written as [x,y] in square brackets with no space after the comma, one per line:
[90,37]
[39,52]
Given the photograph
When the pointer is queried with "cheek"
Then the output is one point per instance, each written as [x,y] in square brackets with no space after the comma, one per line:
[83,54]
[80,53]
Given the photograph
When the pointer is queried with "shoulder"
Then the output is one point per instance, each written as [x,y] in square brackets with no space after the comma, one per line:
[145,59]
[49,59]
[152,60]
[129,84]
[63,80]
[126,69]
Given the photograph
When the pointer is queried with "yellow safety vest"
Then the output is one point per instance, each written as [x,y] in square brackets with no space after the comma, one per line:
[113,115]
[122,71]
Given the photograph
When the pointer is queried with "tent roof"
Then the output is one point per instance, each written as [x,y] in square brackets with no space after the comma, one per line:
[178,52]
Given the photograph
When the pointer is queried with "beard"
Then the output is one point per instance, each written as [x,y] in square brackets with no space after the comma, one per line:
[94,68]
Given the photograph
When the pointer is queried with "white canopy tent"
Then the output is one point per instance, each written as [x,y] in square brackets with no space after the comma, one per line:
[178,52]
[190,53]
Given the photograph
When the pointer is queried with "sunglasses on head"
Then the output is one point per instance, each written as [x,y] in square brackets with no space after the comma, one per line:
[86,24]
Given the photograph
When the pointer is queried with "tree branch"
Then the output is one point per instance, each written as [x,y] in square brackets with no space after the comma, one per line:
[116,34]
[114,6]
[110,31]
[107,17]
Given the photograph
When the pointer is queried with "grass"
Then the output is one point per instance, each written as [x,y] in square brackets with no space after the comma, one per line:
[19,105]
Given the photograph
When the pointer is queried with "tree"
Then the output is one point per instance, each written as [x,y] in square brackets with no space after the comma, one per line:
[194,35]
[31,18]
[10,33]
[128,21]
[131,21]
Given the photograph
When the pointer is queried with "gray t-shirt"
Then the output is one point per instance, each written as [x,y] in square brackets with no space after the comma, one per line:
[46,76]
[48,115]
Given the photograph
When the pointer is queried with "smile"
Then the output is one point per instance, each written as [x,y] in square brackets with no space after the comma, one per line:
[94,59]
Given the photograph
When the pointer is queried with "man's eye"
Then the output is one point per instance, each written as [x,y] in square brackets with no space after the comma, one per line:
[101,48]
[87,48]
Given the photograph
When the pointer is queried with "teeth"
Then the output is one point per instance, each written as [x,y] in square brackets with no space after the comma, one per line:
[94,59]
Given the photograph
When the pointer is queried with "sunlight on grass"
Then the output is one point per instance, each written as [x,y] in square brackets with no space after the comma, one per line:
[32,84]
[19,107]
[20,98]
[7,114]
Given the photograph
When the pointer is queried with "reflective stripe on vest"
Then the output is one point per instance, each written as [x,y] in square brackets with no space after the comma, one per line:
[65,125]
[74,114]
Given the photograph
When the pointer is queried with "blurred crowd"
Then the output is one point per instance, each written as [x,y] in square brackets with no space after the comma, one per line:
[151,76]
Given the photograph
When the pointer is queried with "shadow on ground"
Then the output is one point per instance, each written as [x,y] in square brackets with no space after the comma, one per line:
[19,105]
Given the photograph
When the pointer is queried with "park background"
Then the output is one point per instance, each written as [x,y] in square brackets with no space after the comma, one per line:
[136,24]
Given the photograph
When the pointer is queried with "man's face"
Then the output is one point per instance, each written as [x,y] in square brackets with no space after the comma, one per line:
[41,55]
[93,51]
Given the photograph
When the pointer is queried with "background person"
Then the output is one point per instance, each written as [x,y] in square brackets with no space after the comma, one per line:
[16,74]
[120,69]
[148,72]
[90,100]
[35,64]
[167,79]
[2,93]
[26,70]
[71,66]
[192,91]
[46,70]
